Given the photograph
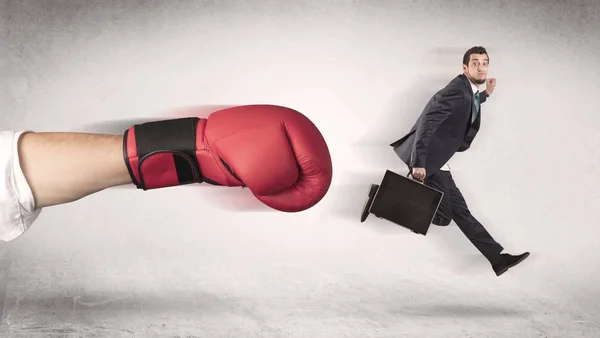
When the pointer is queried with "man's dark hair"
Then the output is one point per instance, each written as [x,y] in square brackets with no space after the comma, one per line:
[474,50]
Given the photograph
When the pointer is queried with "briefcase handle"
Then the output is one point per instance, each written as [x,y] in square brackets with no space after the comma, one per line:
[413,177]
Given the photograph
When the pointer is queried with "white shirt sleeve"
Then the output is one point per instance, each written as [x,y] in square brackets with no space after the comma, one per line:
[17,203]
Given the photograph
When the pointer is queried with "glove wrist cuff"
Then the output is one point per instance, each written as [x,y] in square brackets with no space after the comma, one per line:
[162,153]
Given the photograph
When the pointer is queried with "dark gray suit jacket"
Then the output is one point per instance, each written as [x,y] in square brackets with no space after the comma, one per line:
[443,128]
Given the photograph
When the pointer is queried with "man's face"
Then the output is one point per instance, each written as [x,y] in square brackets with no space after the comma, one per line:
[477,68]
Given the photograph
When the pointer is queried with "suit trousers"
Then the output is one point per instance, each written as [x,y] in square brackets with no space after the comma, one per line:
[454,207]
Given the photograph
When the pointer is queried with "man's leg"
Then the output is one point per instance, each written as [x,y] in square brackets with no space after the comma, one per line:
[453,206]
[470,226]
[439,181]
[478,235]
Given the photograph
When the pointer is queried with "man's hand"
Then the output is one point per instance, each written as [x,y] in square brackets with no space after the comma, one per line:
[419,174]
[490,84]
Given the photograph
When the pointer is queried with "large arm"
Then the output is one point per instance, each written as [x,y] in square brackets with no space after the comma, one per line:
[64,167]
[437,112]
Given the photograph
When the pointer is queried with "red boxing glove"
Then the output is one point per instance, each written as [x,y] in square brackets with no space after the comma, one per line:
[277,152]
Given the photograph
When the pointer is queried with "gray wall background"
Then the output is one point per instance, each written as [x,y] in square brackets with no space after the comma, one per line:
[213,262]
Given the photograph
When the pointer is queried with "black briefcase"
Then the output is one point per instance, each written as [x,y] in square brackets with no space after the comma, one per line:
[404,201]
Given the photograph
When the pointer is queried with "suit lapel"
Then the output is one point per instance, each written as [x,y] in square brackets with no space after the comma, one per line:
[467,84]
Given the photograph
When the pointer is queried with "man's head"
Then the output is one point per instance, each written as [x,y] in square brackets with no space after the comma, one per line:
[475,64]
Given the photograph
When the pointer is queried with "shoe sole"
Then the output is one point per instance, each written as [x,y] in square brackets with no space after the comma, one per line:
[367,206]
[512,265]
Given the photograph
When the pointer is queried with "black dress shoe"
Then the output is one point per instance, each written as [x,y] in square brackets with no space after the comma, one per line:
[366,208]
[507,261]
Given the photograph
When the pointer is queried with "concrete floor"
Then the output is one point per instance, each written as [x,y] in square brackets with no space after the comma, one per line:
[127,263]
[348,294]
[98,277]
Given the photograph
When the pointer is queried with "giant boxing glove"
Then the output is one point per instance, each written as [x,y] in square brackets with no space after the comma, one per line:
[276,152]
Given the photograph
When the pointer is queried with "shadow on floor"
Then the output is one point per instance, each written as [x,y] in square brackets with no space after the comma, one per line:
[460,310]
